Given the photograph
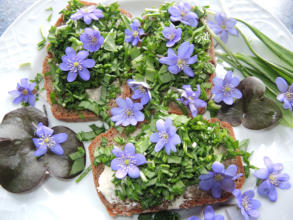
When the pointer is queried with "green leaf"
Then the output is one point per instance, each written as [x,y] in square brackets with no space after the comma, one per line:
[78,154]
[284,54]
[109,43]
[78,165]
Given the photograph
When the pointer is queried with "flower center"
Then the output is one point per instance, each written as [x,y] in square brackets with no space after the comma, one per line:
[126,162]
[181,63]
[171,36]
[245,203]
[218,177]
[224,27]
[289,95]
[182,14]
[85,10]
[142,89]
[75,64]
[164,135]
[273,179]
[93,40]
[135,34]
[227,89]
[129,113]
[47,141]
[25,91]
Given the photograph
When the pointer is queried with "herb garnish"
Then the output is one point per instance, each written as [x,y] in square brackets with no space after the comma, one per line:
[169,176]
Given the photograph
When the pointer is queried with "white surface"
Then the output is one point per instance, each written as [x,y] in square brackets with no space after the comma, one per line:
[67,200]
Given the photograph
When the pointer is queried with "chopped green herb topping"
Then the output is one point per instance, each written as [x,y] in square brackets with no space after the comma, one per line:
[166,176]
[78,161]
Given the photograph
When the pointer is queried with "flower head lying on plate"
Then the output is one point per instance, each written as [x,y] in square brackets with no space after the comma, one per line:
[24,92]
[132,36]
[141,90]
[49,141]
[126,162]
[180,62]
[271,178]
[88,14]
[225,89]
[76,64]
[191,98]
[223,26]
[286,95]
[166,136]
[182,12]
[91,39]
[219,179]
[127,112]
[209,214]
[20,169]
[248,206]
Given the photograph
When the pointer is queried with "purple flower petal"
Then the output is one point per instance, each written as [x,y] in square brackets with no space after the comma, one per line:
[218,167]
[40,151]
[84,74]
[249,194]
[60,138]
[36,142]
[282,84]
[70,52]
[174,69]
[140,159]
[81,55]
[188,71]
[57,149]
[139,116]
[284,185]
[71,76]
[228,100]
[273,194]
[64,67]
[216,190]
[209,213]
[236,94]
[154,138]
[121,102]
[88,63]
[185,49]
[129,149]
[121,173]
[262,173]
[193,218]
[87,19]
[117,152]
[192,60]
[115,164]
[133,171]
[159,146]
[206,185]
[115,111]
[228,185]
[224,36]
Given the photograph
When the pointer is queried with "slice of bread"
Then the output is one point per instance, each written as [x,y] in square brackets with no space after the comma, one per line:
[193,196]
[62,113]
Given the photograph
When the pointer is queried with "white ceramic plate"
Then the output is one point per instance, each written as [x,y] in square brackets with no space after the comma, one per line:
[56,199]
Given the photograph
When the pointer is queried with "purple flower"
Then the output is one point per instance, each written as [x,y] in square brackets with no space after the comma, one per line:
[91,39]
[182,61]
[247,204]
[132,36]
[47,141]
[166,136]
[88,13]
[191,98]
[140,91]
[225,89]
[286,95]
[271,177]
[223,26]
[209,214]
[172,34]
[76,64]
[126,162]
[193,218]
[24,92]
[127,112]
[182,13]
[219,179]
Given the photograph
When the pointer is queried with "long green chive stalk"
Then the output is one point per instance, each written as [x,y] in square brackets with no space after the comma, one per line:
[261,67]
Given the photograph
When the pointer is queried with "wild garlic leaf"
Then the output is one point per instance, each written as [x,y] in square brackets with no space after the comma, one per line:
[109,43]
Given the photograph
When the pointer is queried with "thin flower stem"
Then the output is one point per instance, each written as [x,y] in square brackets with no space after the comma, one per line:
[228,215]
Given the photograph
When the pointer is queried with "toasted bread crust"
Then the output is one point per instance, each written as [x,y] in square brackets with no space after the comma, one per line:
[198,197]
[62,113]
